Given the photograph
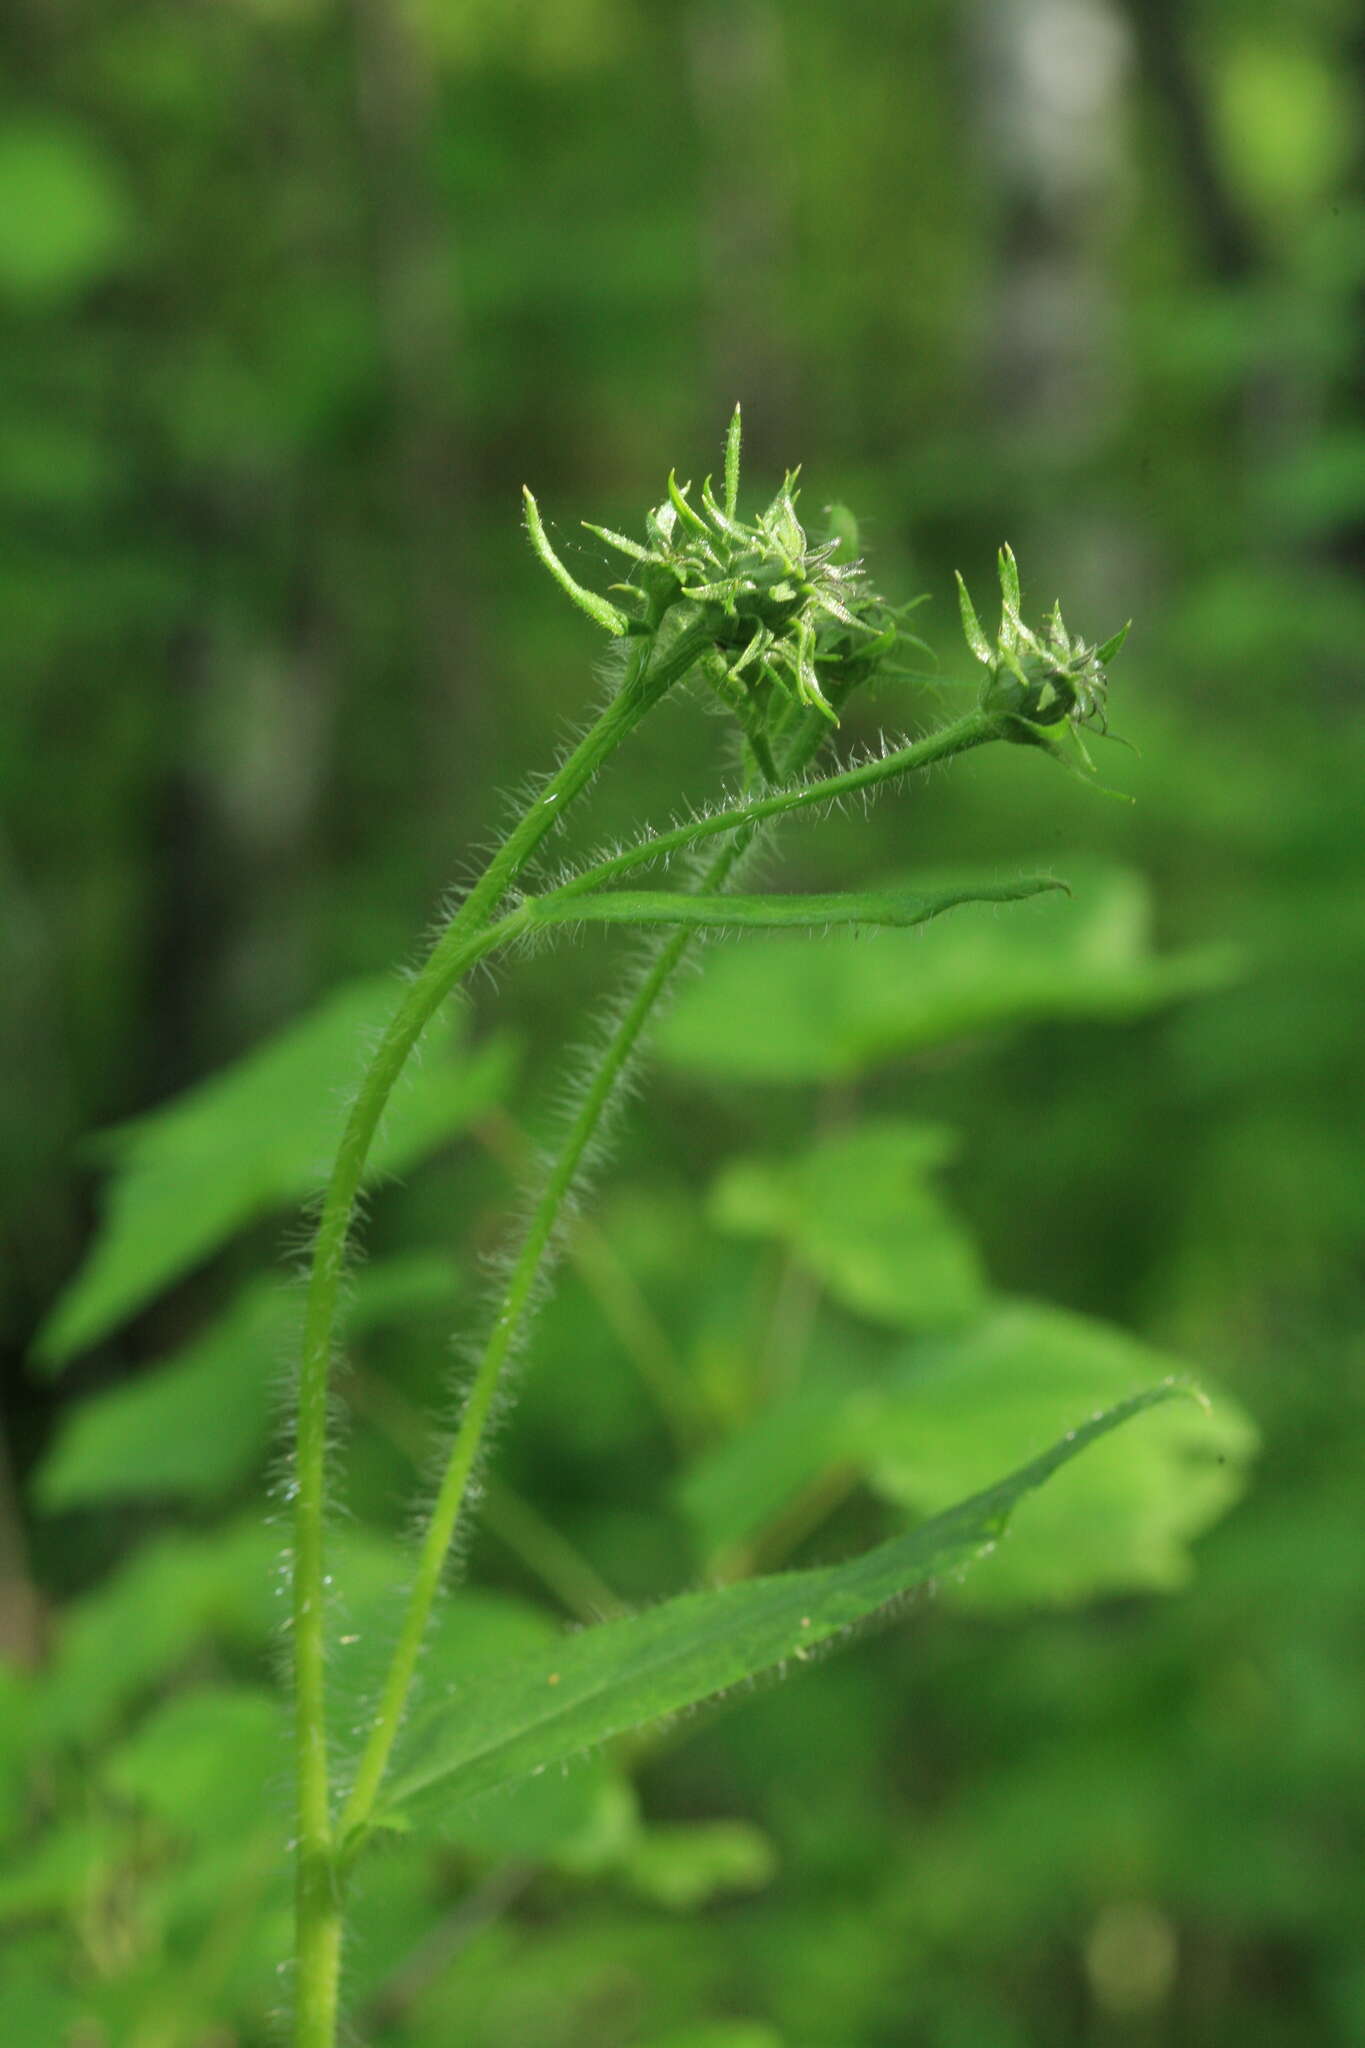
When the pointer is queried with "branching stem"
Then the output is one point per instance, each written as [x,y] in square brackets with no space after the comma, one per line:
[463,942]
[957,738]
[477,928]
[523,1282]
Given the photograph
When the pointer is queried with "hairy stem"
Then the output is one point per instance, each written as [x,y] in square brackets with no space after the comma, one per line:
[317,1953]
[957,738]
[523,1282]
[463,942]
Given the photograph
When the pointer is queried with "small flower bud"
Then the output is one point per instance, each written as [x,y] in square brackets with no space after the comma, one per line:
[787,617]
[1038,681]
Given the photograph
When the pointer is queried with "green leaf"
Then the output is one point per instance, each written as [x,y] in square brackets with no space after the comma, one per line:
[892,907]
[957,1407]
[684,1867]
[834,1011]
[65,219]
[743,1484]
[583,1819]
[39,2001]
[720,2034]
[176,1592]
[173,1765]
[859,1210]
[841,525]
[60,1873]
[252,1140]
[541,1710]
[193,1426]
[1120,1521]
[618,541]
[200,1422]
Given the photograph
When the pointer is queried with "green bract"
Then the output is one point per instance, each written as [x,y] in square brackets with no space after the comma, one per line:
[785,618]
[1038,682]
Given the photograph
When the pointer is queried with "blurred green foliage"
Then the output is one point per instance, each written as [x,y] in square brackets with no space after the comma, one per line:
[294,300]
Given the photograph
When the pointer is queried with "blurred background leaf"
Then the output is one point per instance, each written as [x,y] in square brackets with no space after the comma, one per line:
[256,1139]
[861,1212]
[836,1010]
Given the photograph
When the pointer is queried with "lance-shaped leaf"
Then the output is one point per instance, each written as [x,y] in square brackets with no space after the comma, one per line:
[956,1405]
[511,1722]
[892,907]
[843,1008]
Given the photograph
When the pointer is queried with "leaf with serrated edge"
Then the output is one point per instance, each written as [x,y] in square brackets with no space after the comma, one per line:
[544,1709]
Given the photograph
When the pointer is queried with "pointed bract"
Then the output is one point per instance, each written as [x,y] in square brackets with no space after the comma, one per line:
[791,620]
[618,541]
[1009,578]
[732,447]
[971,624]
[1035,681]
[1107,649]
[597,608]
[678,495]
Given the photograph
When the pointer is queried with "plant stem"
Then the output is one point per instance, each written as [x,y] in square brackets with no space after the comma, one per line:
[317,1961]
[540,1546]
[317,1902]
[624,1309]
[462,943]
[523,1281]
[536,1543]
[958,738]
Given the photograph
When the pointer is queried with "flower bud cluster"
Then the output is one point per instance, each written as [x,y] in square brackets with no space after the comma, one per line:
[789,621]
[1036,681]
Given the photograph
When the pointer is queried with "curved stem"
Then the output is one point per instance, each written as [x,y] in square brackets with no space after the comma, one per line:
[462,943]
[450,959]
[523,1281]
[958,738]
[521,1286]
